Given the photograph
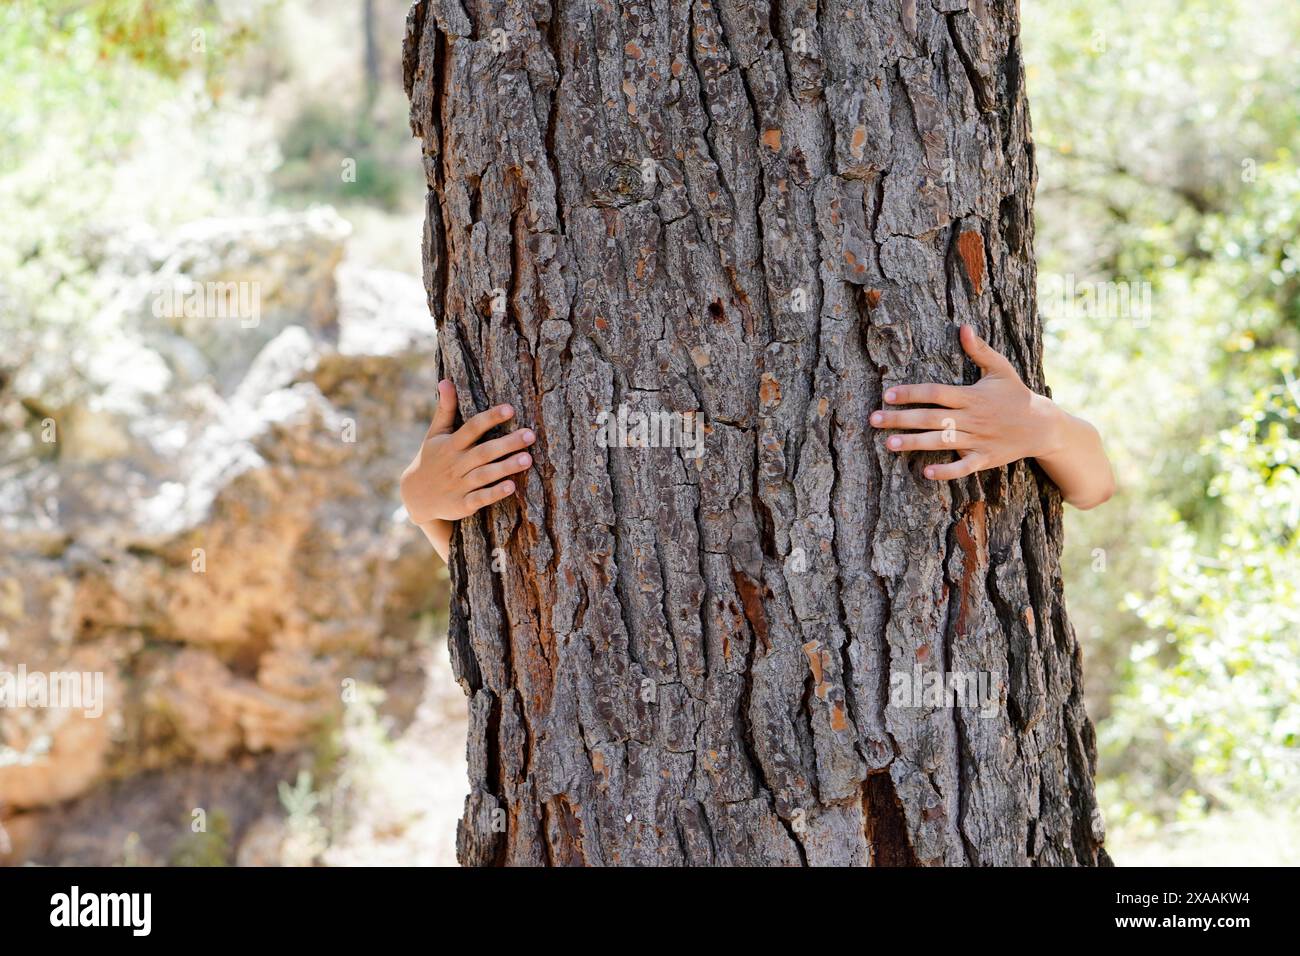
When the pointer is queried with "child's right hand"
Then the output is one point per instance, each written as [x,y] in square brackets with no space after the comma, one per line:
[451,476]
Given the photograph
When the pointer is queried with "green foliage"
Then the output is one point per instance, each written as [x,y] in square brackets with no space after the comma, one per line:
[1212,716]
[211,847]
[331,154]
[99,140]
[306,836]
[167,37]
[1167,135]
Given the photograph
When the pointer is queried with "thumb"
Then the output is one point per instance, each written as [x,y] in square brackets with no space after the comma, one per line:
[444,416]
[990,361]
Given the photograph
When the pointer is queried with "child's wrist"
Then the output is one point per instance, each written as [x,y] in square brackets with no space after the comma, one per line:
[438,532]
[1050,429]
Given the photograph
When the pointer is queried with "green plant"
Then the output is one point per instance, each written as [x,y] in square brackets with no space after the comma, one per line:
[209,847]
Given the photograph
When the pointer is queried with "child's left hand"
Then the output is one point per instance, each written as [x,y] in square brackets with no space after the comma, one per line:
[996,421]
[988,424]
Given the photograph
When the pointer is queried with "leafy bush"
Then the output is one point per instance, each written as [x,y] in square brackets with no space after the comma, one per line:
[1165,134]
[155,151]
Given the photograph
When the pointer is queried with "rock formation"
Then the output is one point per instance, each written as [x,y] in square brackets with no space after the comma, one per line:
[208,515]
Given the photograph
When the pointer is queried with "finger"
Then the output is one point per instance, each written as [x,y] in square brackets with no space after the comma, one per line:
[951,396]
[498,470]
[478,426]
[968,465]
[444,416]
[929,441]
[497,447]
[914,418]
[982,354]
[486,496]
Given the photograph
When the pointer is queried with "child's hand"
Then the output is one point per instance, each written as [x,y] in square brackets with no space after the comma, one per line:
[988,424]
[451,476]
[996,421]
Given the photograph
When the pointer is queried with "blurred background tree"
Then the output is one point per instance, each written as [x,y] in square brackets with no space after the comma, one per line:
[1167,144]
[1167,136]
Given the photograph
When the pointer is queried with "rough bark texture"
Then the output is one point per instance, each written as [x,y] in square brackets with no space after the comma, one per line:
[683,661]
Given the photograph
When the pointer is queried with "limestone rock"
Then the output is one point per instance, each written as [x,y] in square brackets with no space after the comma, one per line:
[215,525]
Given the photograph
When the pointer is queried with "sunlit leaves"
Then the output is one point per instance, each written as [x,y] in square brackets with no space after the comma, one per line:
[1167,134]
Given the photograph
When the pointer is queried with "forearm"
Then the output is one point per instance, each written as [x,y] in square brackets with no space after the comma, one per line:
[439,534]
[1075,459]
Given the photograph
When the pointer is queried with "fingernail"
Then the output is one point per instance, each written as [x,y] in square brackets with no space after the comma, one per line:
[877,418]
[527,435]
[895,442]
[523,460]
[929,472]
[891,395]
[506,411]
[510,487]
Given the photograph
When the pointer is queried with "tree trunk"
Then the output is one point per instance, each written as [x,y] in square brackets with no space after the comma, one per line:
[764,213]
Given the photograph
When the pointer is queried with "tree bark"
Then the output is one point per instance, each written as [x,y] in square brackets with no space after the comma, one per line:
[765,213]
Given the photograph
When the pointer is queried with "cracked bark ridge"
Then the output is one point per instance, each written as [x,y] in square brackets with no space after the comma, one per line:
[765,213]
